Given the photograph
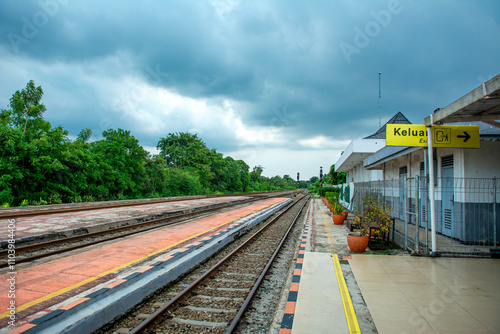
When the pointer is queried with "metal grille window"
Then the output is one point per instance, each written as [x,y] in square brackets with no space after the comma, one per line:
[447,161]
[467,223]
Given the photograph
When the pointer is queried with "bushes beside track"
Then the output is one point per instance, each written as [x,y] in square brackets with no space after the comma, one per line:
[40,164]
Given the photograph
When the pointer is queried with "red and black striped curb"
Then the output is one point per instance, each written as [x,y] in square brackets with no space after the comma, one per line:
[287,322]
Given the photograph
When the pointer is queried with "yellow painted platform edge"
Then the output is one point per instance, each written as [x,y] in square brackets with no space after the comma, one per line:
[350,315]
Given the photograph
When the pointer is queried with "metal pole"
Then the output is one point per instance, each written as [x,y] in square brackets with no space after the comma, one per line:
[494,212]
[298,182]
[321,176]
[417,216]
[431,191]
[405,198]
[379,107]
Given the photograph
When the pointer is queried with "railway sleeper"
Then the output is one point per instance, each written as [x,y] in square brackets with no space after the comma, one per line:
[211,309]
[250,276]
[200,323]
[229,280]
[240,290]
[235,299]
[229,303]
[193,314]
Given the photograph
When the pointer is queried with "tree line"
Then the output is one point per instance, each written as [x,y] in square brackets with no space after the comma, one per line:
[39,164]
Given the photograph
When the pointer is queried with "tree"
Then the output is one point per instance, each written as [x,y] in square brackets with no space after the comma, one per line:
[244,175]
[227,176]
[30,149]
[184,150]
[84,135]
[334,177]
[124,159]
[289,182]
[256,173]
[26,105]
[39,163]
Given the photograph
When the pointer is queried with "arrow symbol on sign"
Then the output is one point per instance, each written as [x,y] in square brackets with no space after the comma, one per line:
[466,136]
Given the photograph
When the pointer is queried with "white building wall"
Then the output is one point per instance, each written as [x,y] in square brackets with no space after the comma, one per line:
[360,174]
[483,162]
[467,163]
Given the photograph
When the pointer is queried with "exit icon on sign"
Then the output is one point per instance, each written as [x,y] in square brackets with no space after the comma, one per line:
[458,136]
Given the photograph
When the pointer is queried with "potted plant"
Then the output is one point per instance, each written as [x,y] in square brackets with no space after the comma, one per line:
[375,219]
[376,215]
[337,216]
[358,241]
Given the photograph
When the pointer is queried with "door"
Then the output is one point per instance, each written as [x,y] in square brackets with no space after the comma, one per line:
[423,196]
[403,172]
[447,197]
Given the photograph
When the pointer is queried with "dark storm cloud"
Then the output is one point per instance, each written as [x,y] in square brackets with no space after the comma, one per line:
[298,67]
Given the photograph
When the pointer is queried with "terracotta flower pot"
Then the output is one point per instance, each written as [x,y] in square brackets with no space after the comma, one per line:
[338,219]
[356,243]
[345,213]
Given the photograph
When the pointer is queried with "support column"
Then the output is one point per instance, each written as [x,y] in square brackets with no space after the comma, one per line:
[431,192]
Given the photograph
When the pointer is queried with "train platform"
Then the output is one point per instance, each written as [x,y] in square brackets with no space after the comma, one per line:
[73,223]
[336,291]
[79,291]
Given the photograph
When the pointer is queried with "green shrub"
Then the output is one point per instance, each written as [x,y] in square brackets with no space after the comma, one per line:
[324,190]
[6,197]
[333,199]
[55,198]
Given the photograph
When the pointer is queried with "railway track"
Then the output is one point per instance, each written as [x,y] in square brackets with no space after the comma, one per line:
[11,213]
[29,253]
[214,297]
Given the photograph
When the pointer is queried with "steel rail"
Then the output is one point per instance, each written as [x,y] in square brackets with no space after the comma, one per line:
[38,246]
[250,296]
[40,211]
[47,210]
[151,320]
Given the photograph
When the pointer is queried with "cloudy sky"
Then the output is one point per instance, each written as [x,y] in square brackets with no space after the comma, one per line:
[282,84]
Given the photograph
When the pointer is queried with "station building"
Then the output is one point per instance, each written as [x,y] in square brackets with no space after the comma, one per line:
[467,194]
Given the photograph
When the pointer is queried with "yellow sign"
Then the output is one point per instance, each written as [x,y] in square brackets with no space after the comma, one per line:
[406,135]
[459,136]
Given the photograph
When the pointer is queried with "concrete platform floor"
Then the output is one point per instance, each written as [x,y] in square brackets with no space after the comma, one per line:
[63,282]
[408,294]
[398,293]
[65,222]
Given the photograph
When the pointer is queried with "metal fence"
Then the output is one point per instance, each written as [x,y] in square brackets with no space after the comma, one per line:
[467,223]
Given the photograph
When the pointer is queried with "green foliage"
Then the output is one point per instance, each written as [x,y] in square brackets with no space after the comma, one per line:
[55,199]
[333,199]
[375,214]
[84,135]
[40,165]
[334,177]
[324,190]
[184,150]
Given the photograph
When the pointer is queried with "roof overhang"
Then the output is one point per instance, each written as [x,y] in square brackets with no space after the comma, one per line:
[388,153]
[482,104]
[356,152]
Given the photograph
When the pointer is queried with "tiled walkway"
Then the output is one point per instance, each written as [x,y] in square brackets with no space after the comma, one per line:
[61,222]
[404,294]
[430,295]
[319,304]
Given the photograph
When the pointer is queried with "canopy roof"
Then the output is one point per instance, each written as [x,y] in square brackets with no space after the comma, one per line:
[481,104]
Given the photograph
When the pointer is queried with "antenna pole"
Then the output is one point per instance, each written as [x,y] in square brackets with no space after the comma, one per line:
[379,115]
